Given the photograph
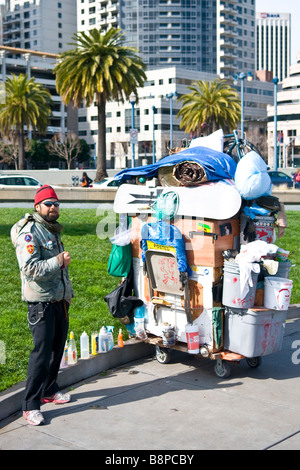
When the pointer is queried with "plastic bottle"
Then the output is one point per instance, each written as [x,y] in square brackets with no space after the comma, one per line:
[84,346]
[120,339]
[72,351]
[103,340]
[110,330]
[64,359]
[131,330]
[139,323]
[95,343]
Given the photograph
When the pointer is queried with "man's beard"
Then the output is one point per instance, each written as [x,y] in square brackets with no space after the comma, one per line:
[51,217]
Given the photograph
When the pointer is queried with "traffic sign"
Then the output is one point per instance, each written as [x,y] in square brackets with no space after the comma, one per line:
[134,136]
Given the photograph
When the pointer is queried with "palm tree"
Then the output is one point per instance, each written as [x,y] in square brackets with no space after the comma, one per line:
[100,68]
[26,104]
[214,104]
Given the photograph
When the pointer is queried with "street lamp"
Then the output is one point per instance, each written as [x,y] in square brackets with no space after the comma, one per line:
[275,81]
[132,99]
[242,77]
[170,97]
[153,138]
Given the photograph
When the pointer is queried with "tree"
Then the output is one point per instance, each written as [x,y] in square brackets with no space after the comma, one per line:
[27,104]
[100,68]
[213,104]
[68,147]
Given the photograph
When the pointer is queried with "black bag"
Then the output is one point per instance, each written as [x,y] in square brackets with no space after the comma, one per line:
[121,302]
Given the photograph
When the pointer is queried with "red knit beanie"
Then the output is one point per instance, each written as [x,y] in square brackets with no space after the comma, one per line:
[43,193]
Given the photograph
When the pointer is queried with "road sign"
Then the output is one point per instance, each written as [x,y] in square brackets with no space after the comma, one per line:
[134,136]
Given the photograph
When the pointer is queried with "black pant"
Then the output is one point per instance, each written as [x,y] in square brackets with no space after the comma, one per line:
[49,325]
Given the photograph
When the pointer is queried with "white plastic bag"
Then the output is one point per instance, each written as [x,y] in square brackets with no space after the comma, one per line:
[251,177]
[214,141]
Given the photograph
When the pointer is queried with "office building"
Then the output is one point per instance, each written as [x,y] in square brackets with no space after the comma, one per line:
[273,43]
[288,121]
[40,25]
[211,36]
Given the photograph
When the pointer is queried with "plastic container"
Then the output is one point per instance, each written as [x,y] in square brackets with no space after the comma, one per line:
[110,330]
[231,296]
[284,268]
[169,338]
[277,293]
[192,337]
[95,343]
[84,346]
[103,340]
[254,333]
[139,323]
[72,351]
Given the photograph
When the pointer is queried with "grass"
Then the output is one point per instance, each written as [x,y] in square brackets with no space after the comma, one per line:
[90,280]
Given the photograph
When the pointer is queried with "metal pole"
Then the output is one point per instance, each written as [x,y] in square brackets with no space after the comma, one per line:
[153,138]
[132,127]
[171,120]
[242,77]
[275,81]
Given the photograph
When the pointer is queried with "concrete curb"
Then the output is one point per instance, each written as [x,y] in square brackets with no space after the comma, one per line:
[11,399]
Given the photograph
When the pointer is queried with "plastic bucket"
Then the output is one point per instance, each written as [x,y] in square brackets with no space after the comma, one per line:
[192,337]
[231,287]
[277,293]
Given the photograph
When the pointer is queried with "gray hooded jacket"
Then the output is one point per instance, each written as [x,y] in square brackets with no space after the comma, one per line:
[37,245]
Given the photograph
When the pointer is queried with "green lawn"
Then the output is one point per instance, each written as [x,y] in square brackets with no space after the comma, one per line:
[90,281]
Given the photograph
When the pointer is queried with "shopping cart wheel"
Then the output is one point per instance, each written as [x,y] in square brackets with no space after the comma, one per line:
[254,361]
[163,355]
[222,369]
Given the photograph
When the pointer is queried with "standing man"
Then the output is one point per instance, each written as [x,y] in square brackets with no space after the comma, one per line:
[47,289]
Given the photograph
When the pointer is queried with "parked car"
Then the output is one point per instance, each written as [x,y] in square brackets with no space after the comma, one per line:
[280,178]
[106,183]
[19,180]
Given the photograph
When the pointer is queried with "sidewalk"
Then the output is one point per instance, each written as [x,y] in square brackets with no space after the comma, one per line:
[140,404]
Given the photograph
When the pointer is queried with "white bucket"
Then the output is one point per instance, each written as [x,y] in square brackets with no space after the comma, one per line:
[192,337]
[277,293]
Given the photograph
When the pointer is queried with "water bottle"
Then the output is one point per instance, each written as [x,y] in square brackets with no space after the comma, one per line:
[103,340]
[64,359]
[131,330]
[84,346]
[139,323]
[95,343]
[72,351]
[110,330]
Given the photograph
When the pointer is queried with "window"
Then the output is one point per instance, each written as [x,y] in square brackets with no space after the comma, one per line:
[92,21]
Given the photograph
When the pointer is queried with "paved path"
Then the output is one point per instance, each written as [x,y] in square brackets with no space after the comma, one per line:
[181,406]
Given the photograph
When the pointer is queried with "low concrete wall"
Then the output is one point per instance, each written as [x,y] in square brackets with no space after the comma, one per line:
[60,177]
[65,194]
[11,399]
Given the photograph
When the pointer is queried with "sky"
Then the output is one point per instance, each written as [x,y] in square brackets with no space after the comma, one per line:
[285,6]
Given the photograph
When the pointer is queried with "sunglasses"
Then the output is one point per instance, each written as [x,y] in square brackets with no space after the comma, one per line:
[50,204]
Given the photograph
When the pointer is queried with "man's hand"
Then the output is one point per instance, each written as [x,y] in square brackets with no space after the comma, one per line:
[67,258]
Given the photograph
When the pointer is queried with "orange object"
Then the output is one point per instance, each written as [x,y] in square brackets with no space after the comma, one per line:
[120,339]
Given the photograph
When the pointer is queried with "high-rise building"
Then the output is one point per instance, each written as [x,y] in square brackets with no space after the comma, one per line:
[212,36]
[40,25]
[273,43]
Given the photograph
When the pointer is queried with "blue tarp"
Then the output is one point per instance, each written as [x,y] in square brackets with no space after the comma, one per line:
[217,165]
[165,234]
